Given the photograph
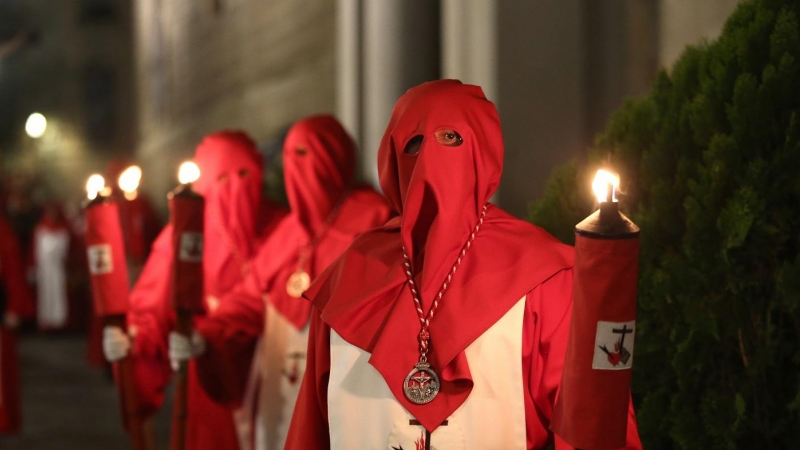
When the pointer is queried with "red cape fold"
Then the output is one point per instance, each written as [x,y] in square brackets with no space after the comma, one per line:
[364,298]
[19,301]
[140,226]
[362,209]
[236,221]
[232,330]
[318,163]
[327,213]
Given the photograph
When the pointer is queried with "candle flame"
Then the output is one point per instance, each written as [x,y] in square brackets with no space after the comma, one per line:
[94,185]
[129,179]
[188,172]
[603,181]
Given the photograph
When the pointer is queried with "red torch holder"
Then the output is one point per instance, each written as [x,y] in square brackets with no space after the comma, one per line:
[592,407]
[186,296]
[109,277]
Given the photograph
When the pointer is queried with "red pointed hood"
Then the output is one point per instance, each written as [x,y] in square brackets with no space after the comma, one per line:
[319,163]
[440,192]
[230,180]
[318,166]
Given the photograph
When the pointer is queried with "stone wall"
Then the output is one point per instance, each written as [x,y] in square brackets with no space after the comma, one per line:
[689,22]
[78,73]
[206,65]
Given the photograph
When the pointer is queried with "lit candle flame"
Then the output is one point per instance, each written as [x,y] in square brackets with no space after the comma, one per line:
[188,172]
[603,182]
[94,185]
[129,179]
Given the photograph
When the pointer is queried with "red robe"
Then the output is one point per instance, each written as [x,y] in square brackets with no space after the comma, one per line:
[15,298]
[544,336]
[153,319]
[439,163]
[232,330]
[137,217]
[140,226]
[327,214]
[231,183]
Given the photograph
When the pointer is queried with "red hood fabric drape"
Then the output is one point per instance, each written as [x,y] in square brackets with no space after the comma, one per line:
[140,226]
[318,165]
[230,180]
[15,298]
[53,217]
[319,161]
[319,180]
[138,218]
[439,193]
[235,224]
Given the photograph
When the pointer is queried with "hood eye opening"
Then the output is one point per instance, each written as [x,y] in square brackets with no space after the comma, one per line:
[300,151]
[244,173]
[448,137]
[413,146]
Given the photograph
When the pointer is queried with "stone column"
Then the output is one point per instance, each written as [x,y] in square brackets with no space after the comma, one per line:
[469,43]
[400,50]
[348,65]
[541,98]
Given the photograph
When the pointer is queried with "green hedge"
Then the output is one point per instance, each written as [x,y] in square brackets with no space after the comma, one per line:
[710,162]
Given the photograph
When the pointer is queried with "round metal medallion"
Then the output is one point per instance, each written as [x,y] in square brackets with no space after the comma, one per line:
[421,384]
[298,283]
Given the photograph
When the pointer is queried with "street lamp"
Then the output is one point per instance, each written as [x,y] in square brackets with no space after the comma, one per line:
[36,125]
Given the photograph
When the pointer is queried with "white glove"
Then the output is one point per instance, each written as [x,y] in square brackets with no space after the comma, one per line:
[182,349]
[116,344]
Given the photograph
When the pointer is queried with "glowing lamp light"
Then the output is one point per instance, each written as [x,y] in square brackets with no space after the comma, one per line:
[605,186]
[36,125]
[129,181]
[95,185]
[188,172]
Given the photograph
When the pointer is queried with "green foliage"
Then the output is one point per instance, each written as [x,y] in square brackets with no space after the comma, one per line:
[562,205]
[711,165]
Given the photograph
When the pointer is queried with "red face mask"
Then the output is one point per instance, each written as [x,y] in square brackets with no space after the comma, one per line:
[230,180]
[440,161]
[318,166]
[440,186]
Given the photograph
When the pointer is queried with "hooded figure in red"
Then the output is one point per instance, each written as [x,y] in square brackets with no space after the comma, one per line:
[500,289]
[140,224]
[16,302]
[236,220]
[327,213]
[140,227]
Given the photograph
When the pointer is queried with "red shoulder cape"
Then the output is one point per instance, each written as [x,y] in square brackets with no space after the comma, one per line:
[363,297]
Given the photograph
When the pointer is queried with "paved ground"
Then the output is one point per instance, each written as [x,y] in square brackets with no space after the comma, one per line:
[66,404]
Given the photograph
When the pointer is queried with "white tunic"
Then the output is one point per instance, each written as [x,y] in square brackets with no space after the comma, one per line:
[51,280]
[279,365]
[364,414]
